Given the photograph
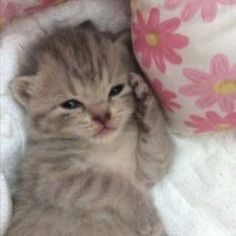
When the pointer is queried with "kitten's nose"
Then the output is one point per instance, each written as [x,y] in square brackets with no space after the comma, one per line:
[102,118]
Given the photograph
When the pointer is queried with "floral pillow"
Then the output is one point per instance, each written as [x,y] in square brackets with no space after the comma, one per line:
[12,8]
[187,48]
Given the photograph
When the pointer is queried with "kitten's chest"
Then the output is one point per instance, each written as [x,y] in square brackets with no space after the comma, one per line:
[119,156]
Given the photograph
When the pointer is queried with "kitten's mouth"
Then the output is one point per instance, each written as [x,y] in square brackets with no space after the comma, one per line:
[105,131]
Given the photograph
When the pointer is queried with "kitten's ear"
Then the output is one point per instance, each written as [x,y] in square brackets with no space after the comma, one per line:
[124,38]
[22,88]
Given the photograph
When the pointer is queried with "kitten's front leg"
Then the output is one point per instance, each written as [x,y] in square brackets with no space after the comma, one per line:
[154,144]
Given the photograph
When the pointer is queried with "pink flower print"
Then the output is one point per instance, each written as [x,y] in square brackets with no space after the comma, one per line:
[217,86]
[8,10]
[157,41]
[166,97]
[212,122]
[191,7]
[172,4]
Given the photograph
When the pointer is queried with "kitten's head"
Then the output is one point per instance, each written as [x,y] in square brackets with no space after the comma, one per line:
[78,85]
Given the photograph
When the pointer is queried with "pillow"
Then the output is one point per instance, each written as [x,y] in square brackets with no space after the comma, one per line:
[12,8]
[187,49]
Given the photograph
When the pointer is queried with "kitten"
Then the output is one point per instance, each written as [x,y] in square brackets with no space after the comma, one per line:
[96,142]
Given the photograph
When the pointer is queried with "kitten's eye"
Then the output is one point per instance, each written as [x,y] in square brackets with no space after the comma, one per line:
[71,104]
[116,90]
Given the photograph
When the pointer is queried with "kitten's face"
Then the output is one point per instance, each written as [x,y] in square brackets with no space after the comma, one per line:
[84,96]
[95,111]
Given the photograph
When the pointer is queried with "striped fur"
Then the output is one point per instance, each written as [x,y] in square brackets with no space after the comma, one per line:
[74,181]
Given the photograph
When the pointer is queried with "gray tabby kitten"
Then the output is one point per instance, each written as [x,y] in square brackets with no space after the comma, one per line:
[97,140]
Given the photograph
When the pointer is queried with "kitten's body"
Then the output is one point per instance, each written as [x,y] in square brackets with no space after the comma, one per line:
[79,179]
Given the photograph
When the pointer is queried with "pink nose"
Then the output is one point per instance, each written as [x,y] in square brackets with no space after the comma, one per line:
[102,118]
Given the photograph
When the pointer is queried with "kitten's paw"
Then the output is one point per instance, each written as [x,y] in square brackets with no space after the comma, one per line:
[145,102]
[142,92]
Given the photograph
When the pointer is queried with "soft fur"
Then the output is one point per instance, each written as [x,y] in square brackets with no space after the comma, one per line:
[79,178]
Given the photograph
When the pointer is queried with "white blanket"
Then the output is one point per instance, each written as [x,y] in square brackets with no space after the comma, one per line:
[197,198]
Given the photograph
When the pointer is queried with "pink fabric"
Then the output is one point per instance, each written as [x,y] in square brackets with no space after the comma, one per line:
[212,122]
[217,86]
[189,8]
[12,8]
[157,40]
[167,98]
[187,50]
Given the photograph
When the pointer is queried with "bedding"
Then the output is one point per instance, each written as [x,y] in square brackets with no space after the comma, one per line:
[187,50]
[16,8]
[198,196]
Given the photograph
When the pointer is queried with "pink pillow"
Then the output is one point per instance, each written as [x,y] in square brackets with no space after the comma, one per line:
[12,8]
[187,48]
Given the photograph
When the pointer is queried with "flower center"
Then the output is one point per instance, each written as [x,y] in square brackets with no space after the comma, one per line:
[152,39]
[225,87]
[223,126]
